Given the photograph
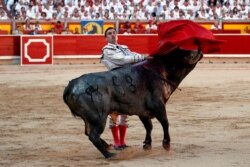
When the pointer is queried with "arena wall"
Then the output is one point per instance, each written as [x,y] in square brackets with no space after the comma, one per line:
[90,46]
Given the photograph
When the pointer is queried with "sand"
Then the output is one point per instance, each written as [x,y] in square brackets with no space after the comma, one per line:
[209,120]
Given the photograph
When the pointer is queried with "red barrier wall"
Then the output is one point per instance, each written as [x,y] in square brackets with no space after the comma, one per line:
[93,44]
[235,44]
[73,45]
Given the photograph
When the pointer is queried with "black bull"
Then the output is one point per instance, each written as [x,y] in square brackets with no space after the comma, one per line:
[141,89]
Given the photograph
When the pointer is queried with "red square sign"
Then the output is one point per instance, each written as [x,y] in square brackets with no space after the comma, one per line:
[36,49]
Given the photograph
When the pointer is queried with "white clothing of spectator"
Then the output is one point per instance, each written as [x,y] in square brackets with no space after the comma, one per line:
[96,5]
[176,12]
[126,10]
[9,4]
[185,6]
[244,9]
[115,4]
[150,7]
[37,26]
[65,15]
[195,5]
[158,9]
[86,16]
[146,16]
[202,15]
[105,5]
[173,4]
[165,13]
[3,15]
[218,9]
[71,7]
[124,16]
[231,16]
[235,5]
[216,25]
[171,15]
[81,10]
[30,11]
[76,16]
[141,12]
[190,15]
[151,26]
[19,5]
[226,7]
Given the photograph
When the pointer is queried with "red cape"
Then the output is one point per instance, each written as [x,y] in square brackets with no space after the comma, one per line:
[185,34]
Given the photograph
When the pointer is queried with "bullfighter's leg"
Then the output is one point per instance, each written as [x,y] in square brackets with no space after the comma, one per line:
[148,126]
[123,125]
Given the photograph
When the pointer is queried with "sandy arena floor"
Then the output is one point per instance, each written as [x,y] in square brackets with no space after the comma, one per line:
[209,121]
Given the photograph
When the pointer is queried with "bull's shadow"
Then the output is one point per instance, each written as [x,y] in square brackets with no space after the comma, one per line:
[141,89]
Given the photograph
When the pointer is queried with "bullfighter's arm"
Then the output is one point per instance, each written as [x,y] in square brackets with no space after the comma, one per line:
[113,58]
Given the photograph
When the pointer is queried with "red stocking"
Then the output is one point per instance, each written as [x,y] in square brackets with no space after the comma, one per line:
[123,130]
[115,133]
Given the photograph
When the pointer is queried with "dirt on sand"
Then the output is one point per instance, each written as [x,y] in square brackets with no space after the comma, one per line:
[209,120]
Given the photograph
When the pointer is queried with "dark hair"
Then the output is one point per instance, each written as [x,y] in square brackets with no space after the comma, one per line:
[105,33]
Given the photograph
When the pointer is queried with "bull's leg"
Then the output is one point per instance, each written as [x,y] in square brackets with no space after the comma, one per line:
[161,116]
[87,131]
[94,136]
[148,126]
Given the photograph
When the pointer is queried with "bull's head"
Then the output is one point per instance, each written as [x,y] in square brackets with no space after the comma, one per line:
[192,57]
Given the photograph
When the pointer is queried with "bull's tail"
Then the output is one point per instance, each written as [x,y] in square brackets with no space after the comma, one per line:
[66,94]
[68,99]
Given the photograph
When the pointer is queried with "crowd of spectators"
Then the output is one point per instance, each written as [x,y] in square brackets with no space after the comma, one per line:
[126,9]
[150,10]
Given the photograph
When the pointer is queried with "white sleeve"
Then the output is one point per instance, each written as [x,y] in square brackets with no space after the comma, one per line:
[116,58]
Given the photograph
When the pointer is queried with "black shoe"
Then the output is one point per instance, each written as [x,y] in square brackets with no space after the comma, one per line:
[124,146]
[119,148]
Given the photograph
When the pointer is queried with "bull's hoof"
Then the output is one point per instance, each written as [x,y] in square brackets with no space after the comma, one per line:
[147,145]
[109,155]
[166,145]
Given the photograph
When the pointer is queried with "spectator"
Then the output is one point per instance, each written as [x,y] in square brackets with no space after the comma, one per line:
[37,26]
[52,32]
[27,26]
[151,27]
[23,15]
[18,30]
[139,27]
[34,32]
[165,12]
[3,15]
[66,31]
[216,25]
[30,11]
[58,27]
[127,32]
[202,15]
[54,16]
[76,31]
[43,16]
[226,7]
[76,15]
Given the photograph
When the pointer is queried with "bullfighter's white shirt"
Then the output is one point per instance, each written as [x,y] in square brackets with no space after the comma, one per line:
[114,56]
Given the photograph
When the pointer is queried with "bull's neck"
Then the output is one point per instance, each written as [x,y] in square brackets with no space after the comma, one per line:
[176,73]
[171,72]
